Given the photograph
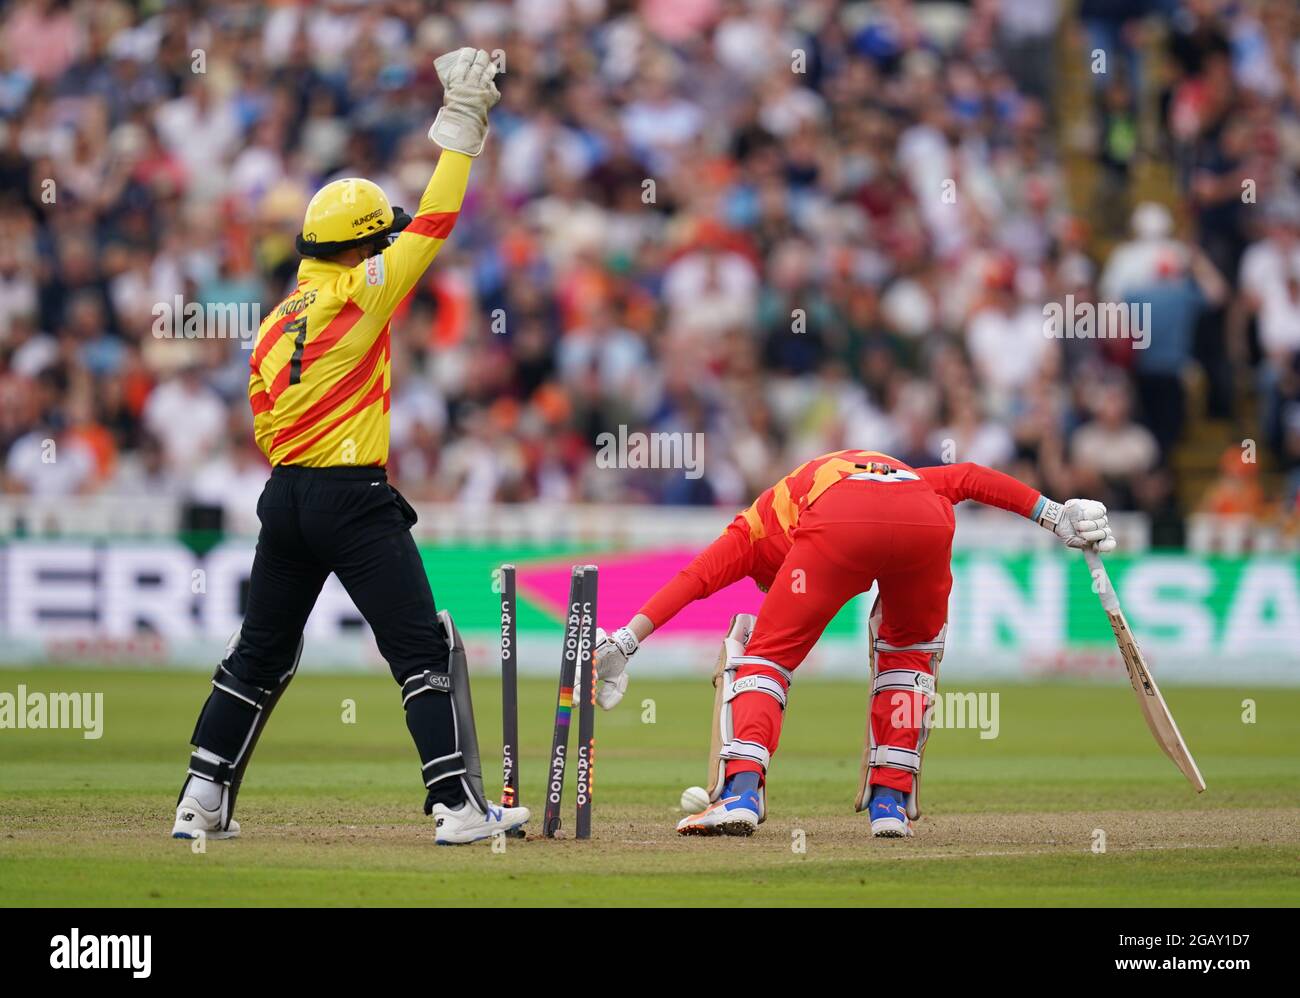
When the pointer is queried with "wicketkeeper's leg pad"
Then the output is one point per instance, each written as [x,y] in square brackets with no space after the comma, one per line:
[229,725]
[771,679]
[463,763]
[890,683]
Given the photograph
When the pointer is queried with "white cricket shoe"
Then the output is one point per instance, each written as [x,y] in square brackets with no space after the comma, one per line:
[735,815]
[193,819]
[468,824]
[891,828]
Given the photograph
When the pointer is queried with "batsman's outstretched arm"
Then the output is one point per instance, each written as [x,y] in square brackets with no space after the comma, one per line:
[1078,522]
[728,559]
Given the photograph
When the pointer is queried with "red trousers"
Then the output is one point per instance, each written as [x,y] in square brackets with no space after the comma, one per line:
[897,535]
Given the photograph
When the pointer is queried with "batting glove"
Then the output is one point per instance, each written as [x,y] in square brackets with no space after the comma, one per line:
[468,95]
[1079,523]
[612,653]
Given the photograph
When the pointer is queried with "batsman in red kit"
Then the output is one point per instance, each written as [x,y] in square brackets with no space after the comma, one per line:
[826,532]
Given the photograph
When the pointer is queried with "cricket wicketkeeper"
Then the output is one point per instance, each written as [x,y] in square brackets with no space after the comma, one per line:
[319,388]
[817,538]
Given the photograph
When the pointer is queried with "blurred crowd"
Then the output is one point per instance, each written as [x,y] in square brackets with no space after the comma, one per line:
[790,225]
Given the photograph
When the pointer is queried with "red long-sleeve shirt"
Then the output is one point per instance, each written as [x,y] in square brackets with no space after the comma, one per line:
[758,539]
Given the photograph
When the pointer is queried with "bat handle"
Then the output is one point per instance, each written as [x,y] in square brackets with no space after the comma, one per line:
[1101,581]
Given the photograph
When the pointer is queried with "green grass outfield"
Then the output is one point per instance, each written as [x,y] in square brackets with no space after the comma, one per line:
[331,811]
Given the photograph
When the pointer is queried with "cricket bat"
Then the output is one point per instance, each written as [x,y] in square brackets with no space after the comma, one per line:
[1163,727]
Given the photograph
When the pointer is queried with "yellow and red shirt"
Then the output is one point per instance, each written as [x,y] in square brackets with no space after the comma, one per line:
[320,373]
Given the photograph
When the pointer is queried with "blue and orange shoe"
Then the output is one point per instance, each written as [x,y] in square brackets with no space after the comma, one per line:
[888,811]
[734,813]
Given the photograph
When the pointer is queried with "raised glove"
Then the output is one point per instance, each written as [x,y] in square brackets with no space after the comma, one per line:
[612,653]
[468,95]
[1079,523]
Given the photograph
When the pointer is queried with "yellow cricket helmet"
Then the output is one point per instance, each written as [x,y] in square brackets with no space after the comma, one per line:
[346,214]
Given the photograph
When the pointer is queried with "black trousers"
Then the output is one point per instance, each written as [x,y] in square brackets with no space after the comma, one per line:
[351,522]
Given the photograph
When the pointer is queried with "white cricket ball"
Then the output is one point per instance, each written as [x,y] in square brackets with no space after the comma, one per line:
[694,800]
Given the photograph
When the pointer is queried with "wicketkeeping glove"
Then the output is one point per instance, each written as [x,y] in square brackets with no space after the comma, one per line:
[612,653]
[1079,522]
[468,95]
